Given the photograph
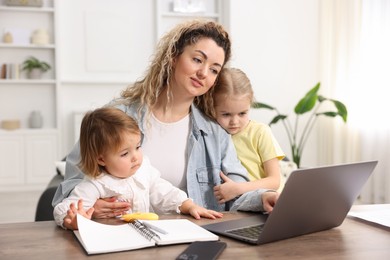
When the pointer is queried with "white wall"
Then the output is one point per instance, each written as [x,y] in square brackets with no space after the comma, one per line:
[106,40]
[104,46]
[276,43]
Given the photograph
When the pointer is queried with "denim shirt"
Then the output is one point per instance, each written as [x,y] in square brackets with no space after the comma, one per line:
[210,150]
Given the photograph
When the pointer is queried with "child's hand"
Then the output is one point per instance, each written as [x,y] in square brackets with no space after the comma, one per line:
[197,212]
[70,220]
[269,199]
[226,191]
[189,207]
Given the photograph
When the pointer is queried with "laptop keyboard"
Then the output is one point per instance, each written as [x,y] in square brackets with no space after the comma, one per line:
[251,232]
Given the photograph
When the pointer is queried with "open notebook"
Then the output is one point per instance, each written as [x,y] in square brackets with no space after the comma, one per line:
[98,238]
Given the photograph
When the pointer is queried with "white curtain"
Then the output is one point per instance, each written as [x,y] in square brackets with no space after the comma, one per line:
[355,69]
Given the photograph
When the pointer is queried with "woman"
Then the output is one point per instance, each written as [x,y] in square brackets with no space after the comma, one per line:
[188,148]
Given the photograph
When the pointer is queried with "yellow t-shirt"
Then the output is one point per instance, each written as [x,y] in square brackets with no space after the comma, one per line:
[255,145]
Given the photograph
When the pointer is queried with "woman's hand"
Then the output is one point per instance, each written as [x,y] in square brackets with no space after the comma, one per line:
[70,220]
[226,191]
[110,207]
[189,207]
[269,199]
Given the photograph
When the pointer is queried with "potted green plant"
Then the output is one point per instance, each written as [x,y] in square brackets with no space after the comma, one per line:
[311,102]
[35,67]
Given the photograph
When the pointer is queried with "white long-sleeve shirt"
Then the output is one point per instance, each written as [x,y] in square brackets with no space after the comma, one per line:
[147,190]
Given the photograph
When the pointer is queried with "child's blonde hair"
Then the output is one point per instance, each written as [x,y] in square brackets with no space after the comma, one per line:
[101,131]
[232,82]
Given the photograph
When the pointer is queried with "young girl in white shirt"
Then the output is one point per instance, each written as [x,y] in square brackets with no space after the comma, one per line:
[112,160]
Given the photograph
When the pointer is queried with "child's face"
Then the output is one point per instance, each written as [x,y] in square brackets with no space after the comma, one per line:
[127,160]
[233,113]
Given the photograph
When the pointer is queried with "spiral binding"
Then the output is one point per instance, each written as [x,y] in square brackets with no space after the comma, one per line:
[143,230]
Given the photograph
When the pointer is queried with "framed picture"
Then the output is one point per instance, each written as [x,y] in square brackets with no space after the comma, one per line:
[188,6]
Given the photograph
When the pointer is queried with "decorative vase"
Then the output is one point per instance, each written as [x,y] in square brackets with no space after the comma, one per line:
[35,74]
[36,120]
[40,37]
[7,38]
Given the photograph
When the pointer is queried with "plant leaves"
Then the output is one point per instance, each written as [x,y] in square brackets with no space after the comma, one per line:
[328,113]
[34,63]
[341,109]
[308,101]
[276,119]
[262,105]
[306,104]
[321,98]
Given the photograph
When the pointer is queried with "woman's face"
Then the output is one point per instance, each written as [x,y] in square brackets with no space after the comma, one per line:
[197,68]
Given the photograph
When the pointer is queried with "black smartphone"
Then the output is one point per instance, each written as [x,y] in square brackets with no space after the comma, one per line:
[202,250]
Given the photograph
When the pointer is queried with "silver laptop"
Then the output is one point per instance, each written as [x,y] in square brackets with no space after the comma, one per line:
[312,200]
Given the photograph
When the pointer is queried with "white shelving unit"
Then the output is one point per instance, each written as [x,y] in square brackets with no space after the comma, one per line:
[22,21]
[167,17]
[27,155]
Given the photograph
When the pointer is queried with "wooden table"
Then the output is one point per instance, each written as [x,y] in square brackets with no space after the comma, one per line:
[354,239]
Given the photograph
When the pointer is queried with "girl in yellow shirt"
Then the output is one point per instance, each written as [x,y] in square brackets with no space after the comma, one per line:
[257,148]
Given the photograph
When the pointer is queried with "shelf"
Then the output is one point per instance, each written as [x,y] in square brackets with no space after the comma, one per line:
[26,46]
[27,9]
[28,131]
[26,81]
[198,14]
[167,17]
[96,81]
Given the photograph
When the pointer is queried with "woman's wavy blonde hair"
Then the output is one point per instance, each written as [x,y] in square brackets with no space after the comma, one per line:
[158,76]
